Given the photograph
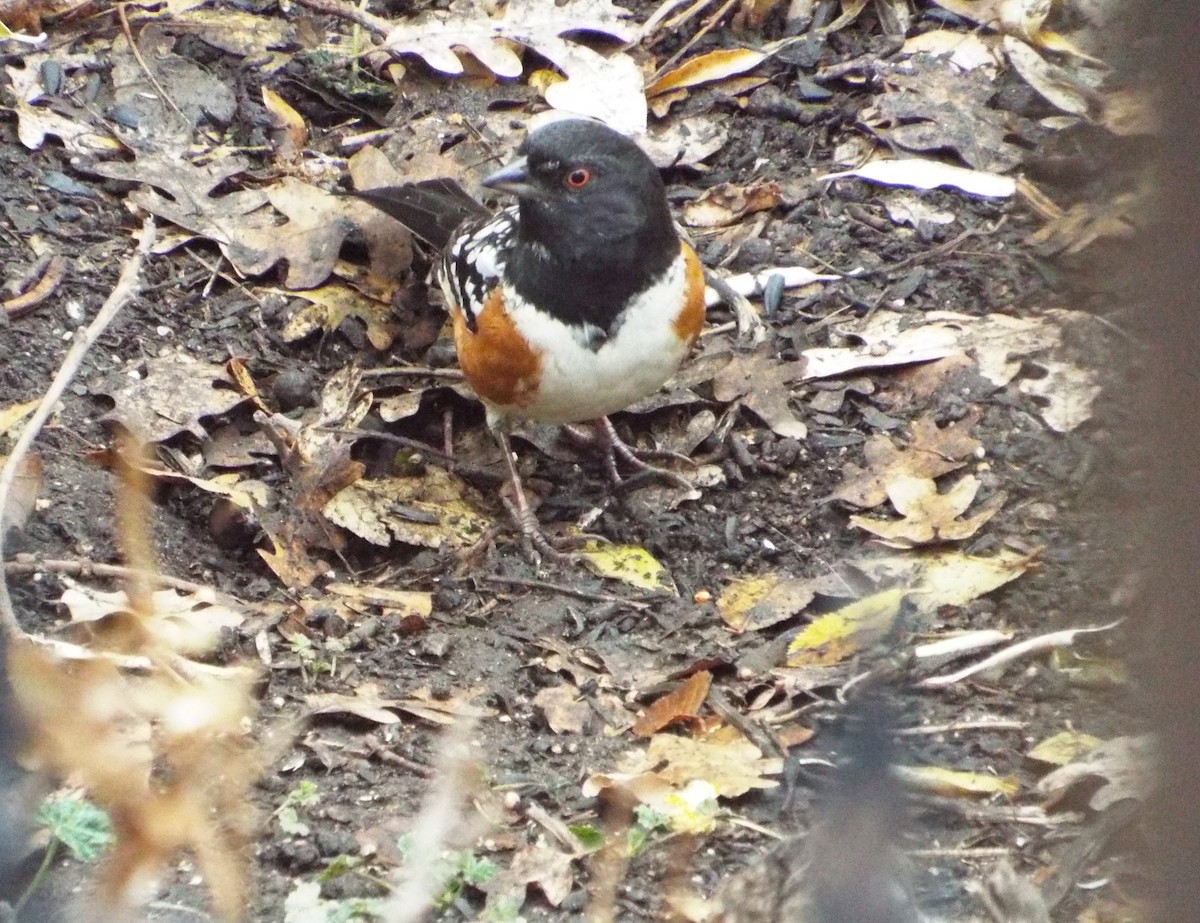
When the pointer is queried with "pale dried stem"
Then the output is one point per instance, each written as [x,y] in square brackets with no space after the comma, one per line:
[1015,652]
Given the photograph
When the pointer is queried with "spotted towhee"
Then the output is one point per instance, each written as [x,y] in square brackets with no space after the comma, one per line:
[575,303]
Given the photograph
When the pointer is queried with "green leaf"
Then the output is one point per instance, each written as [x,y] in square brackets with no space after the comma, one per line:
[590,836]
[339,866]
[78,824]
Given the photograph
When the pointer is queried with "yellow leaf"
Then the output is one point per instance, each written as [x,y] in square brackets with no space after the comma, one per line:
[954,782]
[693,809]
[725,759]
[1063,748]
[833,637]
[13,414]
[946,578]
[716,65]
[1090,672]
[431,510]
[330,305]
[758,602]
[630,564]
[543,79]
[293,133]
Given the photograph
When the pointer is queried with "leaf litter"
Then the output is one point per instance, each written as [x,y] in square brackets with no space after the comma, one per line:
[319,465]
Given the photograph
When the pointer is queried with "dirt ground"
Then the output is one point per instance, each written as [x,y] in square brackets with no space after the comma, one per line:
[509,630]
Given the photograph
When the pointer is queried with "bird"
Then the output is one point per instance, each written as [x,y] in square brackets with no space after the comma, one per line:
[850,866]
[574,303]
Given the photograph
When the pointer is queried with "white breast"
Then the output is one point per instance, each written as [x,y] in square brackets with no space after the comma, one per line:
[580,383]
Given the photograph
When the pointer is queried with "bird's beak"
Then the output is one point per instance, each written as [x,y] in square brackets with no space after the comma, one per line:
[514,179]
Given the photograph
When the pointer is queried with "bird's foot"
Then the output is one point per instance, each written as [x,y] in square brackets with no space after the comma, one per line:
[536,544]
[614,448]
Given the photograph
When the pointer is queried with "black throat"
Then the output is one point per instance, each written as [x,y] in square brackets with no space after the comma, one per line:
[586,275]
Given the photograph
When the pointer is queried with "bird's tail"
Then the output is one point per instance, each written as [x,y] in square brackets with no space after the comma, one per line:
[431,209]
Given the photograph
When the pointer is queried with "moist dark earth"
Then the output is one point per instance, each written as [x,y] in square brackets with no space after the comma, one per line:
[493,611]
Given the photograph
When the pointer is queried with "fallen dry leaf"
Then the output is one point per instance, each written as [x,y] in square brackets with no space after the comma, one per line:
[605,87]
[936,108]
[955,782]
[171,397]
[13,414]
[1003,347]
[965,51]
[1056,84]
[754,603]
[836,636]
[187,623]
[432,509]
[367,702]
[1063,748]
[729,202]
[760,380]
[330,305]
[707,68]
[682,702]
[402,604]
[929,452]
[725,759]
[565,710]
[23,495]
[239,32]
[246,223]
[551,870]
[1020,19]
[1128,766]
[929,515]
[925,582]
[290,131]
[630,564]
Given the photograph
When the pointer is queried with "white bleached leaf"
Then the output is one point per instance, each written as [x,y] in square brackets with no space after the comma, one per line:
[923,173]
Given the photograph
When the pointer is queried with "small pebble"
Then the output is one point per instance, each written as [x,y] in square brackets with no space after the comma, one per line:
[51,74]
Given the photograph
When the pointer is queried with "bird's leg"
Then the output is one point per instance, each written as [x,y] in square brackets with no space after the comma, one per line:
[613,445]
[532,538]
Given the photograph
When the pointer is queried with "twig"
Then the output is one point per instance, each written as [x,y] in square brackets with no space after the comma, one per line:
[1015,652]
[420,371]
[656,22]
[126,288]
[350,13]
[978,852]
[687,46]
[137,54]
[983,724]
[567,591]
[415,444]
[403,762]
[85,568]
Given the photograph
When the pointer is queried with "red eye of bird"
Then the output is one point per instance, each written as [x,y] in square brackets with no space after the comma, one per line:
[578,178]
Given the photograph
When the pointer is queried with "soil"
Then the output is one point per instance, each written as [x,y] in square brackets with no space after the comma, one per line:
[493,609]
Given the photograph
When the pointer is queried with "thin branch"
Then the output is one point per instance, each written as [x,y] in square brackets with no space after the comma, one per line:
[1015,652]
[84,568]
[127,286]
[350,13]
[137,55]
